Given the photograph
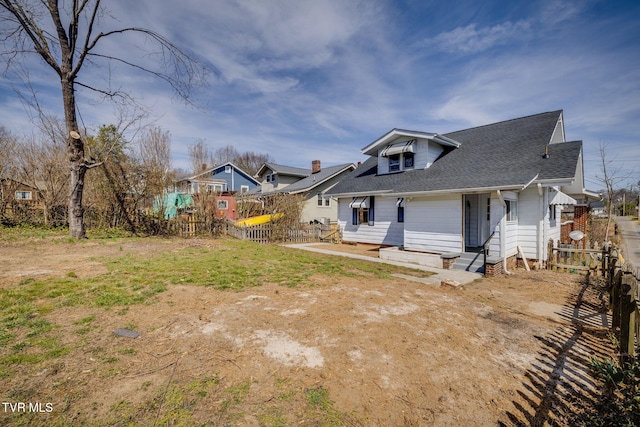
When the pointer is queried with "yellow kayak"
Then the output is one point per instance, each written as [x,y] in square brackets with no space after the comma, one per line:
[257,220]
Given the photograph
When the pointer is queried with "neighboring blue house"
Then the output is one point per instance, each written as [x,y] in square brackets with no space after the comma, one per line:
[220,179]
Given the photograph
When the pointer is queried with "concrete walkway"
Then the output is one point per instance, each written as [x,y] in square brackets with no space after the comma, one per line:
[630,233]
[462,277]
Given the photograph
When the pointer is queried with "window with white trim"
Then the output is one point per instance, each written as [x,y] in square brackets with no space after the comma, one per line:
[215,188]
[23,195]
[227,169]
[223,204]
[512,210]
[244,189]
[323,200]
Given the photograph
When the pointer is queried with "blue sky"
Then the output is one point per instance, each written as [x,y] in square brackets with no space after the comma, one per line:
[304,80]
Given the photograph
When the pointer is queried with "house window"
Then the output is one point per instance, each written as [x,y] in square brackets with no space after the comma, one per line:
[408,160]
[269,178]
[552,212]
[23,195]
[244,188]
[360,216]
[512,210]
[394,163]
[223,204]
[400,205]
[215,188]
[488,209]
[362,212]
[227,169]
[323,201]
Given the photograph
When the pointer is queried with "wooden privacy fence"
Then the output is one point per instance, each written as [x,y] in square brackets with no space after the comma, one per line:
[624,297]
[273,232]
[570,257]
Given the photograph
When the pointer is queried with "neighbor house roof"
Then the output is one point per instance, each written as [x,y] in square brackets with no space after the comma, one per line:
[213,169]
[504,155]
[316,179]
[284,170]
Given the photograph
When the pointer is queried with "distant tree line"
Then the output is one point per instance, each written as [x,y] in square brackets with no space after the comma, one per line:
[131,173]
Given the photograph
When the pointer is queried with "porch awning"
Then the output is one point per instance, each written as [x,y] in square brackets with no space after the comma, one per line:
[559,198]
[402,147]
[359,202]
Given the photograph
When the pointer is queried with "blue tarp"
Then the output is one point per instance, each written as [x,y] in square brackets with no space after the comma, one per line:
[172,203]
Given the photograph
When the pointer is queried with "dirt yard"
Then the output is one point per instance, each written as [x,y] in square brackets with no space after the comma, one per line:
[503,351]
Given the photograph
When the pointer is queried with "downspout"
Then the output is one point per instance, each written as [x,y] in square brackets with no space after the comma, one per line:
[540,226]
[503,232]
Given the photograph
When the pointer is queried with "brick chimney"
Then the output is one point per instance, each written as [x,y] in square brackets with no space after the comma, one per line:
[315,166]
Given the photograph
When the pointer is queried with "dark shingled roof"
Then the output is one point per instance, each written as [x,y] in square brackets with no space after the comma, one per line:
[286,170]
[315,179]
[500,155]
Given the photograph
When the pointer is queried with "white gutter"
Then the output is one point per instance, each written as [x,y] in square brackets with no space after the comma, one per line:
[456,190]
[530,182]
[362,194]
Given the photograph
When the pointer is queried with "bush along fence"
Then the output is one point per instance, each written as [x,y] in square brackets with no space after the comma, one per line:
[624,297]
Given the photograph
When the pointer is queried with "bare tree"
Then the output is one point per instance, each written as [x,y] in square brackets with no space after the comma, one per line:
[200,156]
[248,161]
[7,168]
[154,162]
[42,165]
[68,39]
[611,176]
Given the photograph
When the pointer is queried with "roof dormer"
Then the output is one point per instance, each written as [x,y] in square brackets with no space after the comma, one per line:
[400,150]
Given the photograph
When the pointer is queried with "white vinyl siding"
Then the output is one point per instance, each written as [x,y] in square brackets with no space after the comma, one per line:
[425,153]
[385,229]
[511,229]
[529,221]
[433,224]
[496,215]
[552,226]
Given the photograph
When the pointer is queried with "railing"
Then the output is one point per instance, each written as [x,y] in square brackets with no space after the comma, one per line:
[485,249]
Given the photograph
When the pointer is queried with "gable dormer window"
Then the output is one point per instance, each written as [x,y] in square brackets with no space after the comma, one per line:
[408,160]
[400,155]
[394,163]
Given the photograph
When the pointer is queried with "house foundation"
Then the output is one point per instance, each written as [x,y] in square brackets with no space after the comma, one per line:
[420,258]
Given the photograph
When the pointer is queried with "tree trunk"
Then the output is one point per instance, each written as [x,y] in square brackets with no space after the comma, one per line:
[75,150]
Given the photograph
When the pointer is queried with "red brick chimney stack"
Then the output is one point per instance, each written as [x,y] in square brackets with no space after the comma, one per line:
[315,166]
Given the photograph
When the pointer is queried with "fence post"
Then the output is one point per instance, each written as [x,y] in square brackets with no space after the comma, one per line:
[627,318]
[615,285]
[550,254]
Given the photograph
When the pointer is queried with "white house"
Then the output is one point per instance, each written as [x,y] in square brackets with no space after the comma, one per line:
[312,184]
[499,186]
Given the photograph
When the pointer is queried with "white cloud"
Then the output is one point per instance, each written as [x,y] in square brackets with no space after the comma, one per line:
[471,39]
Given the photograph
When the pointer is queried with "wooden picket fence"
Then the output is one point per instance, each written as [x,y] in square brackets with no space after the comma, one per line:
[624,298]
[574,258]
[271,233]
